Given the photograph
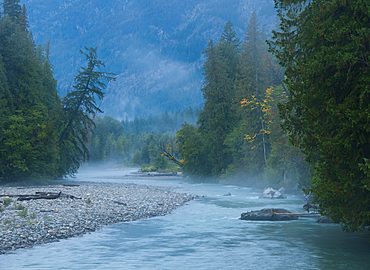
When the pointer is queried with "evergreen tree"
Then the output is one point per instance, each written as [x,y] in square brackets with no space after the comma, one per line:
[79,106]
[12,8]
[193,151]
[250,156]
[324,46]
[23,19]
[5,105]
[27,130]
[218,118]
[230,37]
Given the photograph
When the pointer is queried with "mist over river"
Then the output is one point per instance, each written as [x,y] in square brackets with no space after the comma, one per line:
[206,233]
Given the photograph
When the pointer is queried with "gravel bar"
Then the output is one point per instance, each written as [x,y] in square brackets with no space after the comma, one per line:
[33,222]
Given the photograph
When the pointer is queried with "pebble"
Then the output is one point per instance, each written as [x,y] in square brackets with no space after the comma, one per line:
[101,204]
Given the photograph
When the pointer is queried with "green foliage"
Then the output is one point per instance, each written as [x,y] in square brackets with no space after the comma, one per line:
[193,152]
[238,132]
[112,144]
[23,213]
[7,221]
[19,207]
[12,8]
[27,129]
[149,169]
[160,161]
[218,118]
[325,48]
[41,138]
[7,201]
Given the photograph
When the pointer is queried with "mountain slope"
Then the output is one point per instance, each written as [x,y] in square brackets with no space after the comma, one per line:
[154,47]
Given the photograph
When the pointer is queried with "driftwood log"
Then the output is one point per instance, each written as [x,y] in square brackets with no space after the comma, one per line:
[295,214]
[41,195]
[63,195]
[47,196]
[7,195]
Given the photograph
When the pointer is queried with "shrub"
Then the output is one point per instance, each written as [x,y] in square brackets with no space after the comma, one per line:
[19,207]
[149,169]
[7,201]
[23,213]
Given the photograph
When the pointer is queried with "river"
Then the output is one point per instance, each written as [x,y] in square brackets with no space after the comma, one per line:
[203,234]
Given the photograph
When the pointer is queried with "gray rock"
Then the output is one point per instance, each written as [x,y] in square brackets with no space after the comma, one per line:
[325,220]
[227,194]
[268,214]
[308,198]
[270,193]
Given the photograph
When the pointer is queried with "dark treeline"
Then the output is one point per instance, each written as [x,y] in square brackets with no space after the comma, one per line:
[161,123]
[41,135]
[137,142]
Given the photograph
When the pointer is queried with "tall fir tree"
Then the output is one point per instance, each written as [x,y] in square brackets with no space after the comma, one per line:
[218,117]
[250,156]
[12,8]
[23,19]
[79,108]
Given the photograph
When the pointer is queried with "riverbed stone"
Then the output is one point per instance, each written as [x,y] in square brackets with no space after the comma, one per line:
[50,220]
[270,193]
[324,219]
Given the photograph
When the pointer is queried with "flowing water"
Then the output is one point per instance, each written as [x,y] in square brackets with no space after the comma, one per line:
[203,234]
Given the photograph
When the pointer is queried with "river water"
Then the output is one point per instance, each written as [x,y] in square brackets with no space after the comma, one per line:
[204,234]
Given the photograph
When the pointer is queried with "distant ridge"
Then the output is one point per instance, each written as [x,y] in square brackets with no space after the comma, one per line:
[154,47]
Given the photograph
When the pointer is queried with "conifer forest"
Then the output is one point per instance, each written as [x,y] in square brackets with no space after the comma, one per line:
[288,107]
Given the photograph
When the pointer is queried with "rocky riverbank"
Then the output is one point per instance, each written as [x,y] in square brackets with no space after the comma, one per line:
[31,222]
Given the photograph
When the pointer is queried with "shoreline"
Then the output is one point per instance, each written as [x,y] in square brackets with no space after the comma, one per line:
[24,224]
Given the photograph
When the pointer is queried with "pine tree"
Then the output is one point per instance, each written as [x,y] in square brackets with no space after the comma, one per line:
[23,19]
[79,107]
[12,8]
[217,118]
[230,37]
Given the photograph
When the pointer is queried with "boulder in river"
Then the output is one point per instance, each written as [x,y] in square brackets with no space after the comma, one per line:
[274,214]
[324,219]
[270,193]
[227,194]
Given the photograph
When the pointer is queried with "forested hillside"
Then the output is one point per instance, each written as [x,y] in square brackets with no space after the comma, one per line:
[154,47]
[41,135]
[238,133]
